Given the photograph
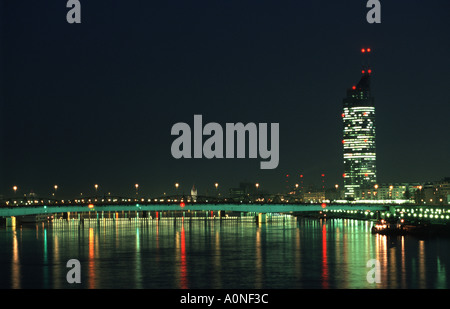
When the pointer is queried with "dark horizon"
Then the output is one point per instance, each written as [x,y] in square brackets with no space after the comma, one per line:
[93,103]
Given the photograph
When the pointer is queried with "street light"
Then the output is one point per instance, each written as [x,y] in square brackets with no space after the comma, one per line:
[96,187]
[55,187]
[176,187]
[137,187]
[257,186]
[217,186]
[15,189]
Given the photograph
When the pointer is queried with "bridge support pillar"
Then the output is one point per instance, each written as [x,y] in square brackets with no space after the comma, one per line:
[10,221]
[262,218]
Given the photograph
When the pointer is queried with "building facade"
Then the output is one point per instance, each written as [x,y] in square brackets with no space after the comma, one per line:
[359,138]
[404,192]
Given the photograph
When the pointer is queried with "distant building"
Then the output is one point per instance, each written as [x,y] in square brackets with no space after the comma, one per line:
[436,193]
[388,191]
[314,196]
[359,138]
[244,189]
[334,194]
[194,193]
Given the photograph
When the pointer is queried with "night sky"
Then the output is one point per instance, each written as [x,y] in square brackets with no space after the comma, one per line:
[95,102]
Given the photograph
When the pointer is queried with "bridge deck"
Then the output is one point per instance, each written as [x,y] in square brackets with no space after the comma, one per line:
[258,208]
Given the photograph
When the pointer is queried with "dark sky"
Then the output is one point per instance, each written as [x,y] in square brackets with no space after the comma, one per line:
[95,102]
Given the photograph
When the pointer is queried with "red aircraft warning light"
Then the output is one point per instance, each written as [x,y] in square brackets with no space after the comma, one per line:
[324,205]
[182,204]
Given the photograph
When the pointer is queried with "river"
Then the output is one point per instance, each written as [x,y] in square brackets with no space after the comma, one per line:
[205,253]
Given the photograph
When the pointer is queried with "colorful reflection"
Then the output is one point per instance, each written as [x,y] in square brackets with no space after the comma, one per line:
[15,265]
[183,263]
[324,257]
[221,254]
[91,260]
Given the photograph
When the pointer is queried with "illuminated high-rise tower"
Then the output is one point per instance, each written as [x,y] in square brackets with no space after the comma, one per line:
[359,136]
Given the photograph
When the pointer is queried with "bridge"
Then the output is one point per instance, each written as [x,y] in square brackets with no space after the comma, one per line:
[172,206]
[14,211]
[115,204]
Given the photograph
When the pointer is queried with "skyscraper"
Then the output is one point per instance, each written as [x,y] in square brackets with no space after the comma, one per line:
[359,136]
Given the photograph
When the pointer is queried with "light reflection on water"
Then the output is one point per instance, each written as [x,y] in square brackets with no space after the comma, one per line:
[213,253]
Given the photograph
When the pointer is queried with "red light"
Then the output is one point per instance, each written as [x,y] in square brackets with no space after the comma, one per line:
[301,176]
[182,204]
[343,115]
[287,175]
[343,142]
[343,175]
[324,205]
[91,205]
[363,71]
[363,50]
[354,87]
[323,175]
[370,71]
[368,50]
[365,141]
[366,174]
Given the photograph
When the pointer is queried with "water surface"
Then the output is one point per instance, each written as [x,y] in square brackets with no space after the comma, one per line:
[220,254]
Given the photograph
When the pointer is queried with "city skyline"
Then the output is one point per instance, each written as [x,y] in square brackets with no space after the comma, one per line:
[103,116]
